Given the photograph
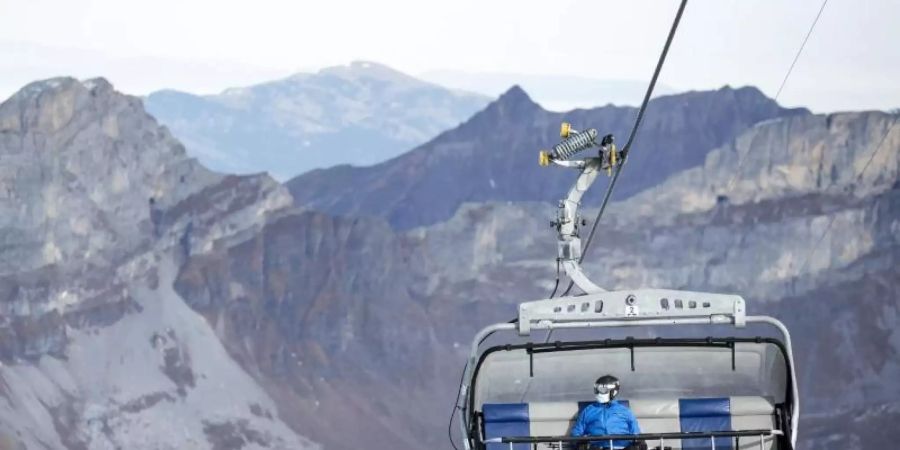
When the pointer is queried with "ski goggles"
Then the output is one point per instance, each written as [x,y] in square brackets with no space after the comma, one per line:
[603,388]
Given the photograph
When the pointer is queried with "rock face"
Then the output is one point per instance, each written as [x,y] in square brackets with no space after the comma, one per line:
[363,113]
[851,154]
[329,312]
[83,171]
[99,206]
[208,312]
[493,156]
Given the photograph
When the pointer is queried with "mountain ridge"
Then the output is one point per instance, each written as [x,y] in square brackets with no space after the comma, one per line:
[227,316]
[362,112]
[491,157]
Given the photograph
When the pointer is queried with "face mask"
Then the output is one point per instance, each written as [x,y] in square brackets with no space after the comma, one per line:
[604,393]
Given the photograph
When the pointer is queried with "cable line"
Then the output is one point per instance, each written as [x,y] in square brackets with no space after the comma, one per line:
[631,137]
[741,158]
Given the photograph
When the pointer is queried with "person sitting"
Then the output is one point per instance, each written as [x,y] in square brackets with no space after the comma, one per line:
[607,416]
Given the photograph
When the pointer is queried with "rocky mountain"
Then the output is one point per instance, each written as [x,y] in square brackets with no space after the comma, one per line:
[97,349]
[209,312]
[329,313]
[493,155]
[362,113]
[148,302]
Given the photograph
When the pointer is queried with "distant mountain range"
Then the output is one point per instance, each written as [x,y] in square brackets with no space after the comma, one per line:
[493,155]
[148,302]
[362,113]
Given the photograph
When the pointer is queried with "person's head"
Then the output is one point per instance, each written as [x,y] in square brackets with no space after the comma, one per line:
[606,388]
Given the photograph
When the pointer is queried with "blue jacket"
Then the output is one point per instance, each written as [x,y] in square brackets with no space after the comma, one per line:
[598,419]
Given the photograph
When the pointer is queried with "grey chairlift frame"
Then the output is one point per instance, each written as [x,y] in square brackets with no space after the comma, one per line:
[628,308]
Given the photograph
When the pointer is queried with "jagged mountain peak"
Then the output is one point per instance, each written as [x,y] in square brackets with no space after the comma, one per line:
[514,105]
[515,94]
[88,153]
[61,84]
[744,90]
[65,102]
[39,87]
[516,99]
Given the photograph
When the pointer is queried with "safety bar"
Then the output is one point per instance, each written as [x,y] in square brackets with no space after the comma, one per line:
[661,437]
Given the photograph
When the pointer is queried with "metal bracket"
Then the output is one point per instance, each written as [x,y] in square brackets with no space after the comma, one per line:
[569,244]
[640,305]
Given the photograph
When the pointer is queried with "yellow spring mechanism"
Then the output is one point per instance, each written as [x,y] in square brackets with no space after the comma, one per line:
[544,158]
[612,159]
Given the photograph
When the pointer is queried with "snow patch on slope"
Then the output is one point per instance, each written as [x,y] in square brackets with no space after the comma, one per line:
[159,378]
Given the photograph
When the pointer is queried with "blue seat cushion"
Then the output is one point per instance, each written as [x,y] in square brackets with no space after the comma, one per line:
[705,414]
[506,420]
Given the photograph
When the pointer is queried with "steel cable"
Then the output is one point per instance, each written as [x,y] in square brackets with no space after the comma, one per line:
[631,137]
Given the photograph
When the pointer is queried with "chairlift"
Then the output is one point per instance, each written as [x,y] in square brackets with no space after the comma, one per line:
[715,391]
[710,392]
[521,390]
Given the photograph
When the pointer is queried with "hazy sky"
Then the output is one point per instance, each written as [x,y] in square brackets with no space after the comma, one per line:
[851,62]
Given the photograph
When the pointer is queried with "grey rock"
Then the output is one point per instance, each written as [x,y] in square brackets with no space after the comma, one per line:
[83,171]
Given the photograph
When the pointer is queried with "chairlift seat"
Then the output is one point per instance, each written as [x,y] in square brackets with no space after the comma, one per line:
[662,415]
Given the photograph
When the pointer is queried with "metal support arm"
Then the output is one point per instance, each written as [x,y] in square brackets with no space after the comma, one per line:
[568,222]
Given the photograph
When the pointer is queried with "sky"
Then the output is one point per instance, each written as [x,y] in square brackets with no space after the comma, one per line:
[850,63]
